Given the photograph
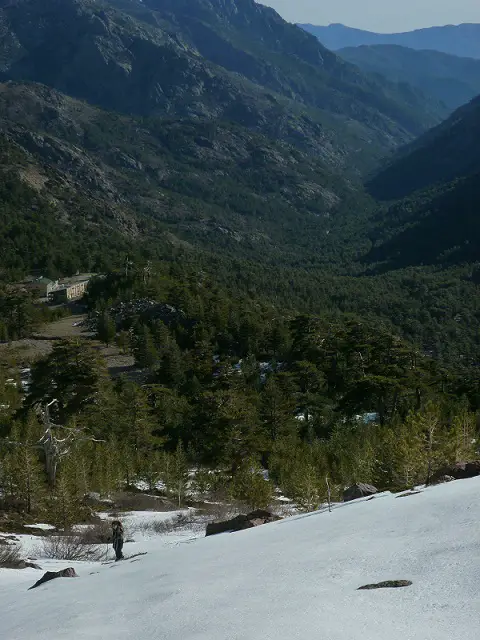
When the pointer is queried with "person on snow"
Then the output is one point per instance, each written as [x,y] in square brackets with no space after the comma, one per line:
[117,539]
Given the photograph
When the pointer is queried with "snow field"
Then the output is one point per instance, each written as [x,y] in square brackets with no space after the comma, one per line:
[294,579]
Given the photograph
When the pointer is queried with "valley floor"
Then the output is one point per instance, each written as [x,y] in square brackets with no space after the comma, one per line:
[295,579]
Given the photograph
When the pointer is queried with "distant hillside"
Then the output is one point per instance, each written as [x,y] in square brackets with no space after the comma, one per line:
[157,182]
[462,40]
[443,154]
[451,79]
[438,177]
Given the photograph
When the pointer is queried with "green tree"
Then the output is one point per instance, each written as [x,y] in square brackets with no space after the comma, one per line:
[106,328]
[250,486]
[70,377]
[277,407]
[23,471]
[144,349]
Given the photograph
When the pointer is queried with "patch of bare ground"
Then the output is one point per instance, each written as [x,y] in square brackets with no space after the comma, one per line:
[32,176]
[69,327]
[27,350]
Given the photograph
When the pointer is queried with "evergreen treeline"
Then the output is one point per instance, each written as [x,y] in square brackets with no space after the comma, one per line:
[230,387]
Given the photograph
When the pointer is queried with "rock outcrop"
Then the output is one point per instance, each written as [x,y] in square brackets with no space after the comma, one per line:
[241,522]
[388,584]
[458,471]
[359,490]
[51,575]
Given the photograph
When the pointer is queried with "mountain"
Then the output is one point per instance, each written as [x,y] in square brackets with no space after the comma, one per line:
[450,79]
[230,60]
[325,558]
[245,135]
[195,183]
[438,180]
[443,154]
[459,40]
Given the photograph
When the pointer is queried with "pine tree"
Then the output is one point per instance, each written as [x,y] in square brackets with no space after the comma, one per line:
[250,486]
[276,409]
[307,486]
[152,470]
[106,328]
[144,349]
[64,501]
[462,436]
[123,341]
[171,371]
[24,471]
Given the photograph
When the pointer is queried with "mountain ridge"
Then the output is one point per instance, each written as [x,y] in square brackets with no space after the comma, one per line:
[450,79]
[461,40]
[436,181]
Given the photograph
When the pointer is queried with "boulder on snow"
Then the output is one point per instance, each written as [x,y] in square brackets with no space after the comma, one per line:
[388,584]
[359,490]
[458,471]
[241,522]
[441,479]
[50,575]
[25,564]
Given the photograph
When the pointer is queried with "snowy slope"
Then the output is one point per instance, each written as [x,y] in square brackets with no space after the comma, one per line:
[295,579]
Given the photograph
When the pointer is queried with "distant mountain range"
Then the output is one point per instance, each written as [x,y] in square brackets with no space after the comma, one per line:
[445,77]
[462,40]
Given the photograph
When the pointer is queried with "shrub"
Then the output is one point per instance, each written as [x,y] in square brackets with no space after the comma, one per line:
[9,556]
[69,548]
[161,527]
[142,502]
[97,533]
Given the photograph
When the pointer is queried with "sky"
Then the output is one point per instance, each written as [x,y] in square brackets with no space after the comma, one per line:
[384,16]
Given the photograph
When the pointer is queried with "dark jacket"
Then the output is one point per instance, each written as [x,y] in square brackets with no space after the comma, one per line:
[117,537]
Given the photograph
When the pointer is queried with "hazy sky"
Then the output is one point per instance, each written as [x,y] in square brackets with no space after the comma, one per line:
[379,15]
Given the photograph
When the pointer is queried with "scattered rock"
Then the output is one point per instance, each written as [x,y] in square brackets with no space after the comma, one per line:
[388,584]
[24,564]
[241,522]
[51,575]
[458,471]
[359,490]
[409,493]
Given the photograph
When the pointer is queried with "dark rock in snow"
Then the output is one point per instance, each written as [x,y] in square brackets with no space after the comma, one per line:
[409,493]
[241,522]
[458,471]
[359,490]
[50,575]
[388,584]
[441,479]
[24,564]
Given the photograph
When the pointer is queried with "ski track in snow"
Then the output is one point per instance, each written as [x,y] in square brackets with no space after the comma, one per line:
[296,579]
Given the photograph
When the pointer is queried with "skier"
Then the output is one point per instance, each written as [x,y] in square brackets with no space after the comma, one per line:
[117,539]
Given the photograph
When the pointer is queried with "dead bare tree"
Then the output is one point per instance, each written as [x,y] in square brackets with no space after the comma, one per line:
[57,441]
[329,494]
